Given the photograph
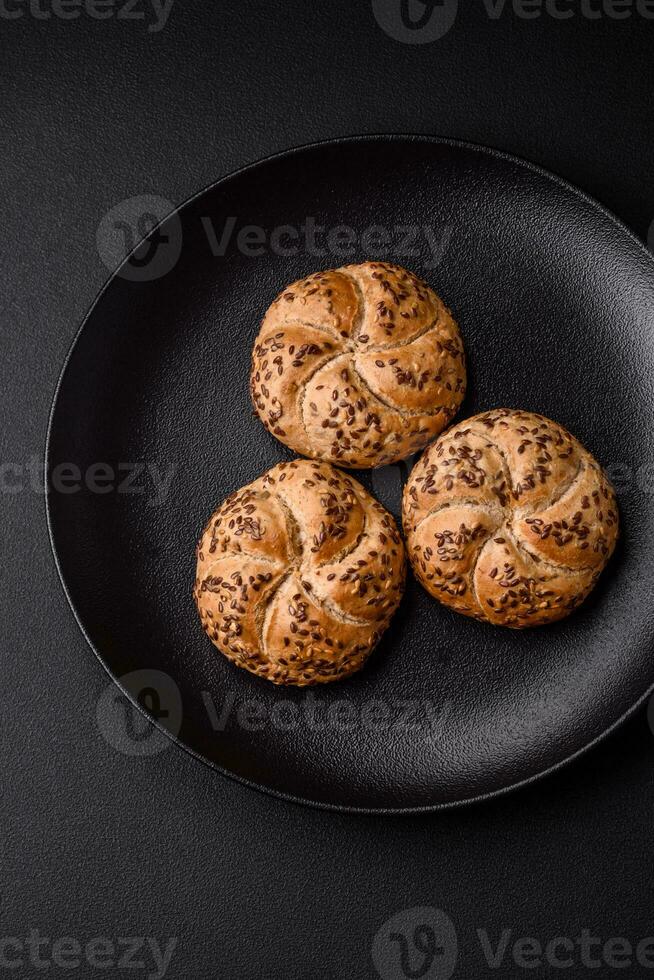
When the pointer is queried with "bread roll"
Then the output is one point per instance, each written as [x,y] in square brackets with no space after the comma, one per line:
[359,366]
[509,519]
[299,574]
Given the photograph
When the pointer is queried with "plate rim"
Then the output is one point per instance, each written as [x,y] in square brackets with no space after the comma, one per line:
[494,794]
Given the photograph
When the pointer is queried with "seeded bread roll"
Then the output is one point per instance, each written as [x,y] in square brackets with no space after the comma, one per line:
[299,574]
[509,519]
[360,366]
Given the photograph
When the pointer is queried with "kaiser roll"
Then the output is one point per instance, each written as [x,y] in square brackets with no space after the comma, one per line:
[509,519]
[299,574]
[359,366]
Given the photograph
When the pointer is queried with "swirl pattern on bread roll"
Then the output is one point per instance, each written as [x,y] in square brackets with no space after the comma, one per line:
[509,519]
[299,574]
[359,366]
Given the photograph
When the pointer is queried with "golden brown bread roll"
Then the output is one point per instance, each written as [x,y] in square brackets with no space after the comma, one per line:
[299,574]
[509,519]
[359,366]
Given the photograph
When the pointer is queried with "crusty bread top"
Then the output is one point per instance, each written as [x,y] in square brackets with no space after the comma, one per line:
[360,366]
[508,518]
[299,573]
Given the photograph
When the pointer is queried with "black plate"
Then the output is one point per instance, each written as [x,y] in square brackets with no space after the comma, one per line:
[556,303]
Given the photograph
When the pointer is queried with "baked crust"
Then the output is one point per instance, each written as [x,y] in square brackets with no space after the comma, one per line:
[509,519]
[298,574]
[360,366]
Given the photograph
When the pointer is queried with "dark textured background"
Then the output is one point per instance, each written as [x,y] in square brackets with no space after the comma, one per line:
[98,843]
